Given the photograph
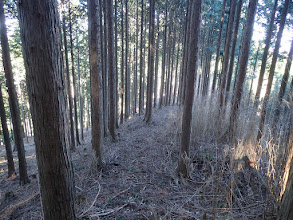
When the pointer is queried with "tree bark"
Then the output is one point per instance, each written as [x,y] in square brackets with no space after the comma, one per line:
[219,47]
[41,40]
[7,143]
[150,62]
[13,102]
[96,77]
[112,76]
[157,61]
[191,73]
[127,73]
[68,79]
[141,72]
[272,69]
[247,35]
[122,64]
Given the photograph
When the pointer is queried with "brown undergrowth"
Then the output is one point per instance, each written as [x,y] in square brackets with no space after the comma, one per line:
[139,181]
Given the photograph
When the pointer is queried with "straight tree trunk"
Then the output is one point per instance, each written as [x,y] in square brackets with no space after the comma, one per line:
[116,66]
[112,76]
[41,41]
[7,143]
[73,76]
[122,64]
[136,62]
[235,36]
[96,77]
[163,60]
[141,72]
[157,61]
[247,35]
[265,54]
[219,46]
[72,146]
[127,74]
[227,52]
[151,59]
[191,74]
[272,69]
[176,73]
[80,96]
[13,102]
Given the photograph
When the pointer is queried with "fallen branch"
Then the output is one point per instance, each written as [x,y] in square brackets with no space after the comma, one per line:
[108,212]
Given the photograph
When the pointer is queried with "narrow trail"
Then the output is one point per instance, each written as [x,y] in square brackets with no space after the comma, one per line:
[138,180]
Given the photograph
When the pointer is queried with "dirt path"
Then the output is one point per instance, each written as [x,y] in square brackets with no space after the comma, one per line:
[139,182]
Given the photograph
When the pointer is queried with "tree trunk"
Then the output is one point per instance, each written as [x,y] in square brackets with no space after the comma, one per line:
[127,74]
[136,62]
[247,35]
[122,64]
[150,62]
[235,36]
[265,54]
[96,77]
[72,146]
[227,51]
[163,60]
[191,73]
[116,67]
[80,96]
[41,41]
[283,84]
[7,143]
[272,69]
[157,61]
[112,76]
[73,76]
[14,107]
[141,72]
[219,47]
[176,72]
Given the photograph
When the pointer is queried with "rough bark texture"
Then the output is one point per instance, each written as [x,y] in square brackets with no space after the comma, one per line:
[157,62]
[7,143]
[150,62]
[122,65]
[116,66]
[247,35]
[13,102]
[191,73]
[96,77]
[41,40]
[265,54]
[112,76]
[272,69]
[68,79]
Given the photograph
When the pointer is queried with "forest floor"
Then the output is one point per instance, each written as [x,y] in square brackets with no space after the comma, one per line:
[139,179]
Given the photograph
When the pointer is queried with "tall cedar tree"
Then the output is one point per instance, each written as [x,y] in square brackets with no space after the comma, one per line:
[163,59]
[235,36]
[191,73]
[150,62]
[265,54]
[68,79]
[96,77]
[127,58]
[285,210]
[219,46]
[157,60]
[112,75]
[41,41]
[7,143]
[116,67]
[272,69]
[73,74]
[13,102]
[227,51]
[246,40]
[141,72]
[122,64]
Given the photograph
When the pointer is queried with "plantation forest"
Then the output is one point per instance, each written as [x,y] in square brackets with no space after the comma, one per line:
[146,109]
